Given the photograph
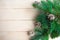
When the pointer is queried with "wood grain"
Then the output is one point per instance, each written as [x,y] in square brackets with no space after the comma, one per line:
[16,3]
[17,14]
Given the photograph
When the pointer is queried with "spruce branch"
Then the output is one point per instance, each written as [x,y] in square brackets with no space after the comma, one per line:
[49,18]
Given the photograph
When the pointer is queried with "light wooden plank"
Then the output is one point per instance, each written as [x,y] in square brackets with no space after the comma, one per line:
[16,3]
[17,14]
[16,25]
[13,36]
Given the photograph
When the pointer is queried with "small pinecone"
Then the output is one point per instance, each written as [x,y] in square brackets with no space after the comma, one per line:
[37,24]
[31,33]
[51,17]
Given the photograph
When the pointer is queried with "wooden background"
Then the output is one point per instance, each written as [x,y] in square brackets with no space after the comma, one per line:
[16,18]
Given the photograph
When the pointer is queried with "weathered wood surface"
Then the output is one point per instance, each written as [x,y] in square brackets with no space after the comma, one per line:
[16,15]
